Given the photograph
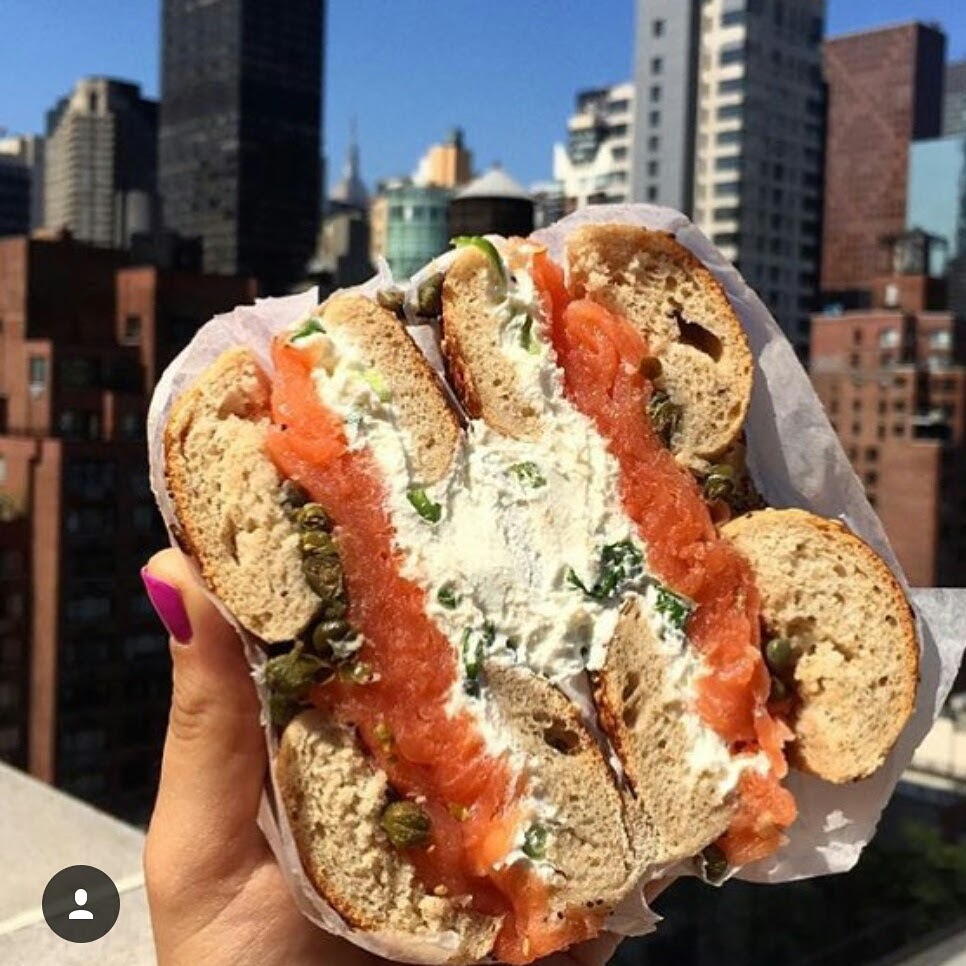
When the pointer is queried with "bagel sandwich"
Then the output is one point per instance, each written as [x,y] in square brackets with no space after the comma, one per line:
[525,653]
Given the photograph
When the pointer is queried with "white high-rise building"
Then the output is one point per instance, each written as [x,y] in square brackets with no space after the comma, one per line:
[594,167]
[101,162]
[728,127]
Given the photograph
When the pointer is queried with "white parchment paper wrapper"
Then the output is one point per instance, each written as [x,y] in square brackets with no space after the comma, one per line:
[795,459]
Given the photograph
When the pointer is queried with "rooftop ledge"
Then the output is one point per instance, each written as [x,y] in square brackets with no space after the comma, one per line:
[43,831]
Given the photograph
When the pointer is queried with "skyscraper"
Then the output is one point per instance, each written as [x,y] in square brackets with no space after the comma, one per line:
[594,166]
[100,176]
[884,91]
[85,683]
[954,99]
[446,165]
[728,127]
[893,380]
[241,122]
[21,179]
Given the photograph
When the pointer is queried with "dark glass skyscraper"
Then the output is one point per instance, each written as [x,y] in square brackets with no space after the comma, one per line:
[241,122]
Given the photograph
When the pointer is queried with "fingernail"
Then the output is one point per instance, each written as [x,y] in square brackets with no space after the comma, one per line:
[169,605]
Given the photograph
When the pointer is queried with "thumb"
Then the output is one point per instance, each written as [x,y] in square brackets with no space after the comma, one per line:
[214,762]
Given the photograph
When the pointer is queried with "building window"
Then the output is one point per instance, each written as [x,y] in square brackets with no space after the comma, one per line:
[732,54]
[872,454]
[727,238]
[734,85]
[654,118]
[619,107]
[618,130]
[652,192]
[619,153]
[728,137]
[941,339]
[652,168]
[726,189]
[657,28]
[653,143]
[38,374]
[655,93]
[132,329]
[657,65]
[732,18]
[730,112]
[729,163]
[727,214]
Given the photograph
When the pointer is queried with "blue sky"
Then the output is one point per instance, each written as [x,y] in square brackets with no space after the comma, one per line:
[505,70]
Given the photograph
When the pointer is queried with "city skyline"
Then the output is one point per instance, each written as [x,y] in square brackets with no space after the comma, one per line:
[401,111]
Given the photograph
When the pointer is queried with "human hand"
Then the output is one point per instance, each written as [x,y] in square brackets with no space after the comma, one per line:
[215,892]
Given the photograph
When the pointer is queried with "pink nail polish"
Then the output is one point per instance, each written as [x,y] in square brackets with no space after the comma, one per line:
[169,605]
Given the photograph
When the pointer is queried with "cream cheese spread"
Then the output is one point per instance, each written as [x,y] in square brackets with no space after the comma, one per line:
[504,543]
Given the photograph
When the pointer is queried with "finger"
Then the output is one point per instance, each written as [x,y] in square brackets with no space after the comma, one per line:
[214,759]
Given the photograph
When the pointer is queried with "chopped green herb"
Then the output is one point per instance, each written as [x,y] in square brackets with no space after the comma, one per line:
[673,607]
[620,563]
[475,643]
[527,339]
[535,841]
[529,474]
[488,249]
[378,384]
[309,327]
[447,597]
[424,506]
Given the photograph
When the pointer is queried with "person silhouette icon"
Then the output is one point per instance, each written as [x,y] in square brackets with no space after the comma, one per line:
[80,897]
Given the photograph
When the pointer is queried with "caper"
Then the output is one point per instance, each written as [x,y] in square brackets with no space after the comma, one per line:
[335,608]
[293,496]
[313,517]
[317,541]
[391,299]
[779,654]
[719,484]
[289,678]
[715,864]
[281,709]
[779,690]
[651,368]
[323,573]
[429,297]
[665,415]
[406,824]
[535,841]
[334,641]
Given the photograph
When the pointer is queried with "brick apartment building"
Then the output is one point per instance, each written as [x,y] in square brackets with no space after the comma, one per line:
[884,91]
[83,667]
[893,380]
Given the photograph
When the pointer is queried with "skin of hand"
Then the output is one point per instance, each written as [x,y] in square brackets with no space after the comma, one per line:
[215,892]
